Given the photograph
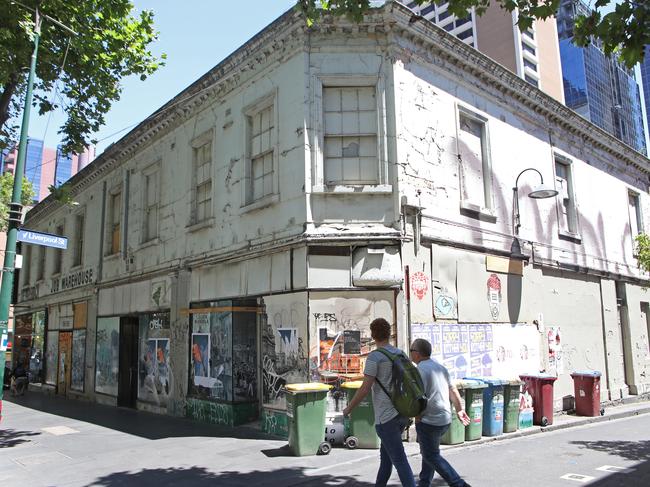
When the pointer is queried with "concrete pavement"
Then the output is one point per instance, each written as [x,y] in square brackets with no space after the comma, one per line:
[48,441]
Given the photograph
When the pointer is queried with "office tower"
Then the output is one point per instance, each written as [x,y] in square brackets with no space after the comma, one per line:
[598,87]
[533,54]
[45,166]
[645,80]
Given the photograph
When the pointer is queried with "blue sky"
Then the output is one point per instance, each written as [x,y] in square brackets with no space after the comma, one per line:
[196,35]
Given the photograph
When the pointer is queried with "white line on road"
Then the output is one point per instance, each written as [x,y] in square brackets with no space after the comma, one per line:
[336,465]
[614,469]
[577,477]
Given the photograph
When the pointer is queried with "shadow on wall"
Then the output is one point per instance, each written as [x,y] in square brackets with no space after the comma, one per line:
[160,477]
[630,450]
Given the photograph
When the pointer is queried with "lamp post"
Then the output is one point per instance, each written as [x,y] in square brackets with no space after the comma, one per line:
[542,191]
[15,207]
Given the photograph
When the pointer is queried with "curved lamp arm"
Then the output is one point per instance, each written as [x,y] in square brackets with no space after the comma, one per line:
[528,169]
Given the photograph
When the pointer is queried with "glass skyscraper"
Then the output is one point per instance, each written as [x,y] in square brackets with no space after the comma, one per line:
[598,87]
[63,169]
[33,163]
[645,79]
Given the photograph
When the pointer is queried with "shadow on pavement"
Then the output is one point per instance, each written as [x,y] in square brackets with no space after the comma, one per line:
[199,476]
[10,437]
[630,450]
[140,423]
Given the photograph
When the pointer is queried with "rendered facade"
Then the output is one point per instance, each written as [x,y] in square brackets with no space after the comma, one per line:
[248,232]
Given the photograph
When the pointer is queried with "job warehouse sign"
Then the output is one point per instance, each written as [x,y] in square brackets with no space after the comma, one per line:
[72,280]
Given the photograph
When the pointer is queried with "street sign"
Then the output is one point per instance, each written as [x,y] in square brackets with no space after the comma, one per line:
[39,238]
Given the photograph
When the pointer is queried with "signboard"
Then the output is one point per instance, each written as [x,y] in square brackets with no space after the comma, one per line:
[45,239]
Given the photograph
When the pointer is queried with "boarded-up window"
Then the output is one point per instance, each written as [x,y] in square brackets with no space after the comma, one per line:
[474,161]
[350,140]
[115,222]
[261,148]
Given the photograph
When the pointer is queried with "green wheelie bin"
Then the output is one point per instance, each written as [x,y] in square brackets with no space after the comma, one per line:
[360,426]
[455,435]
[306,406]
[511,392]
[474,408]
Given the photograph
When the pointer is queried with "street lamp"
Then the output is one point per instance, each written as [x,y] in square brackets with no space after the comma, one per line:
[542,191]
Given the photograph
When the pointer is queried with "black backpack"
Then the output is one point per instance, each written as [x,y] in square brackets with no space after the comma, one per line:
[407,388]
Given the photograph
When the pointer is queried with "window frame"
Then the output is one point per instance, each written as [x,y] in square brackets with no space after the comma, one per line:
[151,171]
[57,261]
[248,113]
[115,191]
[486,211]
[196,145]
[573,220]
[639,218]
[319,82]
[42,262]
[77,255]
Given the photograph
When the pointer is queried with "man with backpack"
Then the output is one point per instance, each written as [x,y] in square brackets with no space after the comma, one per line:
[389,423]
[434,421]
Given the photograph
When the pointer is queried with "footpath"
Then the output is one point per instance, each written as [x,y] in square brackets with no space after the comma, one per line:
[51,441]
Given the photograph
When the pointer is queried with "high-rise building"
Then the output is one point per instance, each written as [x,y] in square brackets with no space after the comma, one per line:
[599,87]
[45,166]
[645,80]
[533,54]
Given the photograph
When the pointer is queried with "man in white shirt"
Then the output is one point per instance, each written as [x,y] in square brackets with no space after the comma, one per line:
[434,421]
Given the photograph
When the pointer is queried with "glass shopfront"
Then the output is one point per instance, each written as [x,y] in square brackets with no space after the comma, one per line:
[29,340]
[223,350]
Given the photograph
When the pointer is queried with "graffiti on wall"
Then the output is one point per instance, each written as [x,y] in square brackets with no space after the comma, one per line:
[284,334]
[107,359]
[482,348]
[78,360]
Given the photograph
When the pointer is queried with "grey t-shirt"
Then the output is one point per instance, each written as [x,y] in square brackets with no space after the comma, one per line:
[436,387]
[380,367]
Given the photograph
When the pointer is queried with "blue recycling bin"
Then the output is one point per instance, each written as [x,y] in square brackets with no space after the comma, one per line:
[492,405]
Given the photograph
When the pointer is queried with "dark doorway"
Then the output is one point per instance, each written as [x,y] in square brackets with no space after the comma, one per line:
[127,392]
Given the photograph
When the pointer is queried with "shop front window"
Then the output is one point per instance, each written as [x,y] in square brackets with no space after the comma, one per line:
[223,350]
[29,339]
[107,355]
[154,375]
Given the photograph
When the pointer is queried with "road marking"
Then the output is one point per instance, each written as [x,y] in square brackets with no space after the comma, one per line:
[336,465]
[577,477]
[59,430]
[614,469]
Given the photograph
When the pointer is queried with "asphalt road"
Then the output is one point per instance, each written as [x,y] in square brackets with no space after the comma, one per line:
[53,442]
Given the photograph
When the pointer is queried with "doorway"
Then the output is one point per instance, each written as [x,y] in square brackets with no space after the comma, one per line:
[127,392]
[65,361]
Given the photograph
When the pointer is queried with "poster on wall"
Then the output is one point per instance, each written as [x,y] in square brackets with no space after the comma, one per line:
[341,324]
[154,376]
[468,350]
[283,324]
[107,355]
[555,355]
[200,359]
[51,357]
[78,360]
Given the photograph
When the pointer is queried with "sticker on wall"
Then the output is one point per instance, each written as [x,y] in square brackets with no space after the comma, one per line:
[444,307]
[494,295]
[4,342]
[555,359]
[419,284]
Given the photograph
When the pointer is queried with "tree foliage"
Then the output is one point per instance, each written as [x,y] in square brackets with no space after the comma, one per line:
[624,31]
[111,43]
[643,251]
[6,190]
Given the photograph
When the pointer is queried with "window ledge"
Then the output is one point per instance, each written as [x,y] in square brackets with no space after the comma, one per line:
[574,237]
[353,189]
[203,224]
[480,212]
[74,268]
[150,243]
[111,257]
[261,203]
